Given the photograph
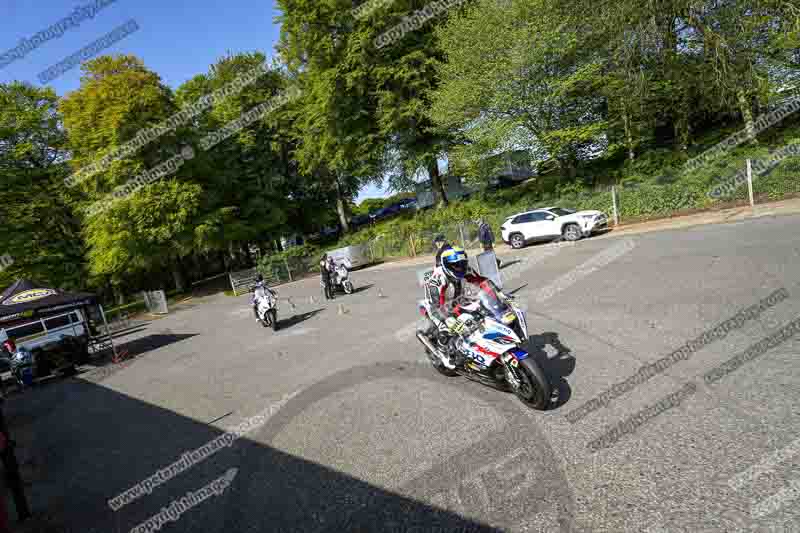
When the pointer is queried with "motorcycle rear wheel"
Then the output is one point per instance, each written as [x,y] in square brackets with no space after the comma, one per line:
[534,391]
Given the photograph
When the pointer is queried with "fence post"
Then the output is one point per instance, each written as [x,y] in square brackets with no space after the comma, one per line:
[230,278]
[288,270]
[750,182]
[411,243]
[614,202]
[461,232]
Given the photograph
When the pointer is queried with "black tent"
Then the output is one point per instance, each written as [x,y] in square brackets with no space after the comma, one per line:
[28,299]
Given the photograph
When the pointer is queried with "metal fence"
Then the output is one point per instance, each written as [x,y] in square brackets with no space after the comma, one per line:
[244,281]
[275,271]
[411,243]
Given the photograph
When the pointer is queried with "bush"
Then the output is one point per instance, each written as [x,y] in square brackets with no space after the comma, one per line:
[652,185]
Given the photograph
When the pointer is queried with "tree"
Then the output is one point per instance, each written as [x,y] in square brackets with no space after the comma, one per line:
[152,228]
[41,231]
[521,70]
[362,106]
[248,177]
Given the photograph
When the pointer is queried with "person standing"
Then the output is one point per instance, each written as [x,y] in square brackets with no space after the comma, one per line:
[325,275]
[332,274]
[486,237]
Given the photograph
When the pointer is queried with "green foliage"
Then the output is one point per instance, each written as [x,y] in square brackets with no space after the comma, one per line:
[40,228]
[639,194]
[596,94]
[300,259]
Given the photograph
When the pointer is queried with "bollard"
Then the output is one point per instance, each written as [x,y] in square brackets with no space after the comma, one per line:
[380,293]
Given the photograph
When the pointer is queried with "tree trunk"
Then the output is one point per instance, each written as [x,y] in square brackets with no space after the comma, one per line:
[340,207]
[747,115]
[568,170]
[264,249]
[232,254]
[628,133]
[246,250]
[177,276]
[437,184]
[119,296]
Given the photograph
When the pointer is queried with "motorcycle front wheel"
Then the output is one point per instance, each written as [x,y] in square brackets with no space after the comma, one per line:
[348,287]
[534,389]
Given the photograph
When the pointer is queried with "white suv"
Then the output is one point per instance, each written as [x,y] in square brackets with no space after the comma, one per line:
[550,223]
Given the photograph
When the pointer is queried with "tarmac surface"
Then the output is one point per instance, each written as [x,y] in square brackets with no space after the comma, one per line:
[363,435]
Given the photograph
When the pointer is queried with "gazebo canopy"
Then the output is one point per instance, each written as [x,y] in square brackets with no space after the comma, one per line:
[26,298]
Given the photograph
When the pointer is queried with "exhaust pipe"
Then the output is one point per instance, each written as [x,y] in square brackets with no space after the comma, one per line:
[443,359]
[424,340]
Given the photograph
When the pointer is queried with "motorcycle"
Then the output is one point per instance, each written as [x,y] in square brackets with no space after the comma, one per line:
[487,349]
[267,308]
[341,279]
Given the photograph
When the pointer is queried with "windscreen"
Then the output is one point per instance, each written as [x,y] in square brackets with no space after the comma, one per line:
[490,302]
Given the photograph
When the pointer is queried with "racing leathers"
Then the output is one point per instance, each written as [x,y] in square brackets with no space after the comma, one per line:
[437,285]
[260,285]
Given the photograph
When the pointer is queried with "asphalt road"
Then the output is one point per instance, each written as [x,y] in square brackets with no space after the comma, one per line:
[373,439]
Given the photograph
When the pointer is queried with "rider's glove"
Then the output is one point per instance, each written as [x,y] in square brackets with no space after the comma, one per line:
[454,325]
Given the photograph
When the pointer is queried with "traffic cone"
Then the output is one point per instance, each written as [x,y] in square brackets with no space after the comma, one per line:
[291,304]
[380,293]
[342,310]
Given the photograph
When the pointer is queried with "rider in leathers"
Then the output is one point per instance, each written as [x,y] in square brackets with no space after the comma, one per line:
[453,269]
[259,285]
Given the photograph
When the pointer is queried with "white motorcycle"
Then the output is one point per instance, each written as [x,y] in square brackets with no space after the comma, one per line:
[486,348]
[341,279]
[266,307]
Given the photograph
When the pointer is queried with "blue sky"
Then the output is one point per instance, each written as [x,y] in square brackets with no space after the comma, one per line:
[176,38]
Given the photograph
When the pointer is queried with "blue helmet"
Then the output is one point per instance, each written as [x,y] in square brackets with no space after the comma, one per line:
[454,262]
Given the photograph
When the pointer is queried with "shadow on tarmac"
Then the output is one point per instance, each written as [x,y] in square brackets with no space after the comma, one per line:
[557,367]
[297,319]
[92,443]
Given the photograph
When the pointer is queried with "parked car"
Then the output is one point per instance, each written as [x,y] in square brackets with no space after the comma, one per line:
[408,203]
[549,223]
[359,220]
